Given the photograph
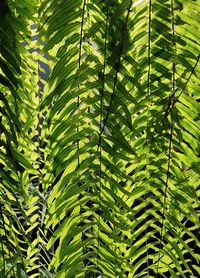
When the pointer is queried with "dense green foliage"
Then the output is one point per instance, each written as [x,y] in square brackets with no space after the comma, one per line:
[99,164]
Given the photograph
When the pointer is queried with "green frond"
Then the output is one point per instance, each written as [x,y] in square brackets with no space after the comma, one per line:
[99,133]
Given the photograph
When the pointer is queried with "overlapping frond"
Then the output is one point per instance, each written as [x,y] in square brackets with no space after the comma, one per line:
[19,155]
[100,162]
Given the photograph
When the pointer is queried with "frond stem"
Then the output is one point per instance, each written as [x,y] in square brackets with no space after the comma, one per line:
[118,64]
[191,73]
[3,223]
[165,197]
[172,95]
[79,65]
[101,120]
[148,112]
[172,99]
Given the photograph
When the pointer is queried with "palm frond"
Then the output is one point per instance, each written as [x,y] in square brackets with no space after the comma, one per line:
[99,138]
